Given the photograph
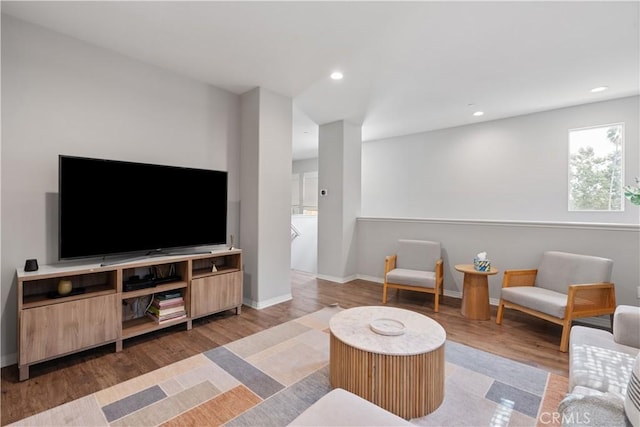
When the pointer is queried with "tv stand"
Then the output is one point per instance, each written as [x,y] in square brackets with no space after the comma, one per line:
[123,261]
[52,325]
[151,254]
[134,285]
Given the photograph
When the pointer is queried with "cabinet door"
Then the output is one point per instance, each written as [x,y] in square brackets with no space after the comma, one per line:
[216,293]
[58,329]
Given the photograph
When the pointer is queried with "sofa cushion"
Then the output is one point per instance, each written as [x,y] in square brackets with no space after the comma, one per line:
[418,254]
[540,299]
[342,408]
[632,399]
[586,391]
[592,410]
[403,276]
[598,362]
[626,325]
[558,270]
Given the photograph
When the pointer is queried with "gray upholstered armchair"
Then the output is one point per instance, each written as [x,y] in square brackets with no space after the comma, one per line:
[564,287]
[417,266]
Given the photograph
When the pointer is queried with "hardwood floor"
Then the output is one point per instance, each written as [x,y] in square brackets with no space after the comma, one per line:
[522,338]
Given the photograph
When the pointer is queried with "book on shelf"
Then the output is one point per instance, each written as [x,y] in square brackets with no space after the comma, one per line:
[169,295]
[161,311]
[169,318]
[166,303]
[167,306]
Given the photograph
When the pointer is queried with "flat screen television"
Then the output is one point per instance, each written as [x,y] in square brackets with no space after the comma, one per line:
[109,207]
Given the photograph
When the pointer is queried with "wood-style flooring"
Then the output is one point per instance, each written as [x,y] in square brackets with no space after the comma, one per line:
[520,337]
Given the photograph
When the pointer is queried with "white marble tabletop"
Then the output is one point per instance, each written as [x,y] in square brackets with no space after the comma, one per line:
[421,334]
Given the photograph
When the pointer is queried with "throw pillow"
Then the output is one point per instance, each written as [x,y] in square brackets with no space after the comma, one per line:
[632,399]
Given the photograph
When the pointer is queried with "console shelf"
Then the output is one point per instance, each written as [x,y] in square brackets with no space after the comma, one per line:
[51,325]
[155,289]
[39,300]
[142,325]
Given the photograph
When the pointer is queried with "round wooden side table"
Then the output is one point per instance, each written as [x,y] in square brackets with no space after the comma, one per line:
[389,356]
[475,292]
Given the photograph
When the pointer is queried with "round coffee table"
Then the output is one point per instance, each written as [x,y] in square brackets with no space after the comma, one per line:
[390,356]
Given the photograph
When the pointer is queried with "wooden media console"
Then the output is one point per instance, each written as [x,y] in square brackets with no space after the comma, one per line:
[98,310]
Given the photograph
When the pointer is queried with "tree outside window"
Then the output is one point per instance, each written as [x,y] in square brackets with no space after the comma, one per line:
[595,168]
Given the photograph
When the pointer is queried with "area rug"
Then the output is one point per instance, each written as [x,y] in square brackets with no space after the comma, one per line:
[269,378]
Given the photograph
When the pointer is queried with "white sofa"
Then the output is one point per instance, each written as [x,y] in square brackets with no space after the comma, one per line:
[342,408]
[600,370]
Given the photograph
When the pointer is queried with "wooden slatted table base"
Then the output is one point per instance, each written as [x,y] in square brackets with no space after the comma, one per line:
[408,386]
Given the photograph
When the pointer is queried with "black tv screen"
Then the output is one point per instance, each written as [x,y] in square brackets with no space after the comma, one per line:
[109,207]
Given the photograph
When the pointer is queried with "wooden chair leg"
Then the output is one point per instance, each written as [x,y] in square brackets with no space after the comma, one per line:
[564,341]
[384,293]
[500,312]
[611,317]
[436,306]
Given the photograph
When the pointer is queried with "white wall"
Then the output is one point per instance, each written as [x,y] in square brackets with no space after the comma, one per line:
[266,196]
[305,165]
[304,248]
[339,173]
[276,122]
[63,96]
[511,169]
[500,187]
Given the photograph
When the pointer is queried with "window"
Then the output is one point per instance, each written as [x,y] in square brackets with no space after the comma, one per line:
[304,193]
[595,168]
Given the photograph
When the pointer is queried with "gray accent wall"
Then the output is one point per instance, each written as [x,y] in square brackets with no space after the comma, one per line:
[63,96]
[509,245]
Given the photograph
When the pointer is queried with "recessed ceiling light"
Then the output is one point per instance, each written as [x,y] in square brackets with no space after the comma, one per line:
[336,75]
[478,113]
[599,89]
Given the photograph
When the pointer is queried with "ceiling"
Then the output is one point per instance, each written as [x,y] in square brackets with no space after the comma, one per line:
[408,66]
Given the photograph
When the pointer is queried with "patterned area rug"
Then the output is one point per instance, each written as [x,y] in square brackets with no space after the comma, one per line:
[269,378]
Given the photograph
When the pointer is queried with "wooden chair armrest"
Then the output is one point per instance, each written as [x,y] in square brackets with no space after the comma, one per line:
[439,271]
[591,299]
[519,278]
[389,263]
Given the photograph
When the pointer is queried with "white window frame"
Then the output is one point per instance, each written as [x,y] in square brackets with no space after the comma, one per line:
[622,162]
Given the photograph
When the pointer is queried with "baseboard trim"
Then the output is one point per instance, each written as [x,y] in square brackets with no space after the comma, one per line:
[259,305]
[370,278]
[447,292]
[341,280]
